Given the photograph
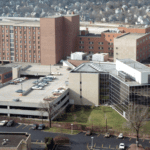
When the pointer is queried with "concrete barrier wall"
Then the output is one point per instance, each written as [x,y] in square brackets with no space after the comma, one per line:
[27,92]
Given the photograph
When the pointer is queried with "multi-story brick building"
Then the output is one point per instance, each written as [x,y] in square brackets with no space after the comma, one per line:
[44,40]
[106,42]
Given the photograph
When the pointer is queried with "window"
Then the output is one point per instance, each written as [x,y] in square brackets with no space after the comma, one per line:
[30,46]
[7,49]
[25,46]
[29,27]
[35,61]
[16,41]
[16,59]
[91,42]
[33,32]
[110,39]
[3,49]
[16,55]
[34,51]
[7,53]
[30,51]
[25,37]
[33,28]
[80,38]
[38,47]
[34,37]
[100,43]
[88,38]
[21,55]
[29,42]
[29,37]
[38,52]
[101,48]
[7,44]
[3,31]
[2,35]
[30,56]
[20,27]
[20,32]
[34,56]
[24,32]
[15,27]
[38,28]
[116,53]
[39,61]
[39,56]
[16,36]
[7,58]
[90,47]
[25,41]
[16,50]
[24,27]
[20,41]
[81,47]
[21,60]
[6,26]
[20,51]
[38,42]
[38,32]
[116,47]
[6,31]
[38,37]
[25,55]
[25,51]
[20,36]
[29,32]
[2,26]
[34,47]
[20,46]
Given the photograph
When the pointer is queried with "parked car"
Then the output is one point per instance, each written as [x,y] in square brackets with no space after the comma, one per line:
[41,127]
[10,123]
[16,100]
[89,132]
[19,91]
[12,82]
[120,136]
[34,126]
[107,135]
[4,122]
[36,87]
[52,77]
[121,146]
[35,82]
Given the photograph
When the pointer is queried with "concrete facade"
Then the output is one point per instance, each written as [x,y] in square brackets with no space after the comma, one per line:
[83,88]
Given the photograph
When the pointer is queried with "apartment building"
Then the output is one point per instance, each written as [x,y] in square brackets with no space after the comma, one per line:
[44,40]
[121,84]
[106,43]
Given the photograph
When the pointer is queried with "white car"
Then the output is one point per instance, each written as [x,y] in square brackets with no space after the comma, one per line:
[120,136]
[2,123]
[53,77]
[37,87]
[121,146]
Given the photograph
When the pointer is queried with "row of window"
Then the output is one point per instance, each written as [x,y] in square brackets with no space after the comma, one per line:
[26,46]
[29,42]
[25,32]
[26,56]
[100,43]
[142,41]
[25,37]
[29,60]
[91,47]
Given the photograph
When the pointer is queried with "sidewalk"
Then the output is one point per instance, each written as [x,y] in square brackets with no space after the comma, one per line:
[133,147]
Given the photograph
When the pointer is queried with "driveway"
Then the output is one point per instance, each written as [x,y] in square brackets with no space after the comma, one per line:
[77,142]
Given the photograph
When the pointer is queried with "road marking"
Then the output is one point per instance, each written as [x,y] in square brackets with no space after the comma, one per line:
[116,146]
[25,127]
[30,128]
[36,140]
[88,146]
[19,126]
[102,145]
[130,139]
[109,146]
[98,135]
[95,145]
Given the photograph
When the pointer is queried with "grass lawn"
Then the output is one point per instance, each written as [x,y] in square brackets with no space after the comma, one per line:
[60,130]
[96,116]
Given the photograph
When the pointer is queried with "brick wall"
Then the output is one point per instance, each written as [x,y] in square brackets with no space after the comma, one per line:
[5,80]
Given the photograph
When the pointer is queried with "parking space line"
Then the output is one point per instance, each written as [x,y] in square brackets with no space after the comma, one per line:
[95,145]
[116,146]
[130,139]
[109,146]
[98,135]
[25,127]
[88,146]
[36,140]
[30,128]
[102,145]
[19,126]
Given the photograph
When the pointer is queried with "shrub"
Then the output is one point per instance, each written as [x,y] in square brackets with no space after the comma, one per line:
[49,143]
[61,140]
[147,148]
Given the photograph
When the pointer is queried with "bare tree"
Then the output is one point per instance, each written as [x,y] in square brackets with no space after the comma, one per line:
[137,116]
[48,108]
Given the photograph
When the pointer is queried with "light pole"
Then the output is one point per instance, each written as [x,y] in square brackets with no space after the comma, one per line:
[21,88]
[71,128]
[106,122]
[92,142]
[50,69]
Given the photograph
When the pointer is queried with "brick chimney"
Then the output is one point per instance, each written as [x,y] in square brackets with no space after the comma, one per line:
[72,12]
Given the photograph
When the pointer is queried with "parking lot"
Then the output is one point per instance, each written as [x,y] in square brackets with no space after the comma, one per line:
[8,92]
[79,141]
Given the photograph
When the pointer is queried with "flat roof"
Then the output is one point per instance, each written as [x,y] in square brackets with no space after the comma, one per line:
[13,139]
[131,36]
[5,69]
[134,64]
[102,67]
[23,21]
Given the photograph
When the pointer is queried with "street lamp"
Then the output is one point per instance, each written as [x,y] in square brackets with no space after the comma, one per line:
[71,128]
[92,142]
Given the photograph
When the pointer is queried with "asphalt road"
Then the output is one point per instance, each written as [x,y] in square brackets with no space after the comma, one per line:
[79,141]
